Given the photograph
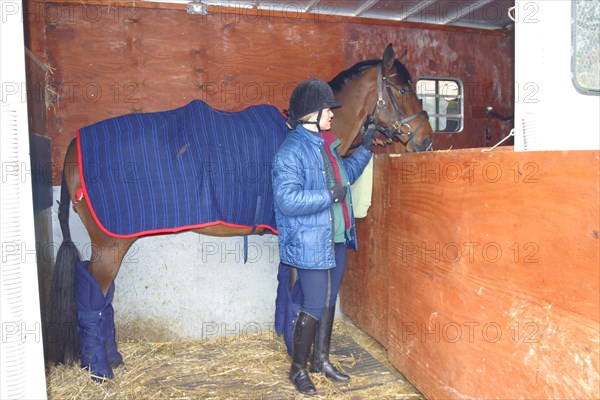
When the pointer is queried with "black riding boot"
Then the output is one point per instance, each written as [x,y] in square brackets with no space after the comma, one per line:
[304,335]
[320,362]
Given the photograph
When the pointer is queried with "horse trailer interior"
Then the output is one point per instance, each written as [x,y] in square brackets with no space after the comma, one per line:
[477,273]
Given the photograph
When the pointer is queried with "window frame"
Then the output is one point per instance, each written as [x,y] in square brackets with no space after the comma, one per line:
[434,119]
[574,80]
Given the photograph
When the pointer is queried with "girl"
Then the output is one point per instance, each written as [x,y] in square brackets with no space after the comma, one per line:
[313,210]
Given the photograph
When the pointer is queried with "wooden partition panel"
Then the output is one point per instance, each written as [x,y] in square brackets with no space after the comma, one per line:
[364,295]
[493,275]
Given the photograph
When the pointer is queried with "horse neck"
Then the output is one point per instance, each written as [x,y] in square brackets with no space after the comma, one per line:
[358,98]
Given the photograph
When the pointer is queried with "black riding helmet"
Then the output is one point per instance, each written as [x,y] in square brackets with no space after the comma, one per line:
[308,97]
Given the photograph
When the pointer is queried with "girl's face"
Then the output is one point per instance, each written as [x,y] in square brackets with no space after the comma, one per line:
[325,122]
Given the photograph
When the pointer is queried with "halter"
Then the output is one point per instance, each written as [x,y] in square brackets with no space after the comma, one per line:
[400,120]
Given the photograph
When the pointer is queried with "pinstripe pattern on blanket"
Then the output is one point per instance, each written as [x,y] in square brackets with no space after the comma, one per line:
[173,170]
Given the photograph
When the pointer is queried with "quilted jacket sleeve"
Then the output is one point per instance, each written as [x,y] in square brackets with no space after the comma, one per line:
[289,187]
[356,163]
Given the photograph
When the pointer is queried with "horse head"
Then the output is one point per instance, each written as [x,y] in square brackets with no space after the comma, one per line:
[381,92]
[402,115]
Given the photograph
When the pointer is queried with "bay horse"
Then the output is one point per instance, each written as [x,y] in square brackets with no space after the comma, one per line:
[377,91]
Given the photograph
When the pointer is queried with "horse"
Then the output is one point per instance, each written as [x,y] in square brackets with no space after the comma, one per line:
[378,91]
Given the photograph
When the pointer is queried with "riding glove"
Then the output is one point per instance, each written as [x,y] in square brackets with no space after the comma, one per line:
[369,135]
[338,193]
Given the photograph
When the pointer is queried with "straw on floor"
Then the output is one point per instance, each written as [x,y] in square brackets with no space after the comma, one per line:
[252,366]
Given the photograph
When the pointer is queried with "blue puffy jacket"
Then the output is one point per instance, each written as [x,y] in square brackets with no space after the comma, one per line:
[303,204]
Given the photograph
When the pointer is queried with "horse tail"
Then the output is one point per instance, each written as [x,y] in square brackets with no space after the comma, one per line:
[61,332]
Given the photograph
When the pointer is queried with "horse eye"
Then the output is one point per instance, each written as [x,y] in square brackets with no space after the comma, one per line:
[403,91]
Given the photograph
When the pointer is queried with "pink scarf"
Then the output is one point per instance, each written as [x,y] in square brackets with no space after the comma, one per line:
[329,138]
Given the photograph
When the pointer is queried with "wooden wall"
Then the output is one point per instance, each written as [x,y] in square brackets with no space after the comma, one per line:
[112,58]
[479,272]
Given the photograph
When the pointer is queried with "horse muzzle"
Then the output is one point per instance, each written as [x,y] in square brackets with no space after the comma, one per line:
[426,144]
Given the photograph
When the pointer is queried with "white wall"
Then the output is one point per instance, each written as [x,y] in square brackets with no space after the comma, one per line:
[189,286]
[557,116]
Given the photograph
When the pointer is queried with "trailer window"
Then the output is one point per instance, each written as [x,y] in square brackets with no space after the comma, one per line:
[442,98]
[586,46]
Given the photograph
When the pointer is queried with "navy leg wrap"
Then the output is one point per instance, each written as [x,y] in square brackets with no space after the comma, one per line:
[91,313]
[109,332]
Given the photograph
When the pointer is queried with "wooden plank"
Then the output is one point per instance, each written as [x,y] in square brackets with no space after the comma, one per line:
[494,279]
[36,93]
[364,295]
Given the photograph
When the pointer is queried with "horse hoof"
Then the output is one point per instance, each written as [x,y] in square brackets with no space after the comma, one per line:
[99,377]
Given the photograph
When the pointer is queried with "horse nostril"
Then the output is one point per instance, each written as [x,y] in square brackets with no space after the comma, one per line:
[426,145]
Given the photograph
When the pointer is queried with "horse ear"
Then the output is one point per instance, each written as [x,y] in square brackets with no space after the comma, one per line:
[404,57]
[388,56]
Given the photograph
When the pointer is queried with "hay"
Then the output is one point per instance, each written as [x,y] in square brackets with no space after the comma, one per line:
[249,367]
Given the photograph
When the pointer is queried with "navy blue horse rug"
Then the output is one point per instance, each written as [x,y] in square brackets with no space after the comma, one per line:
[187,168]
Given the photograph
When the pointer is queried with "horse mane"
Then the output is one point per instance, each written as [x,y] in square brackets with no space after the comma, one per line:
[340,80]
